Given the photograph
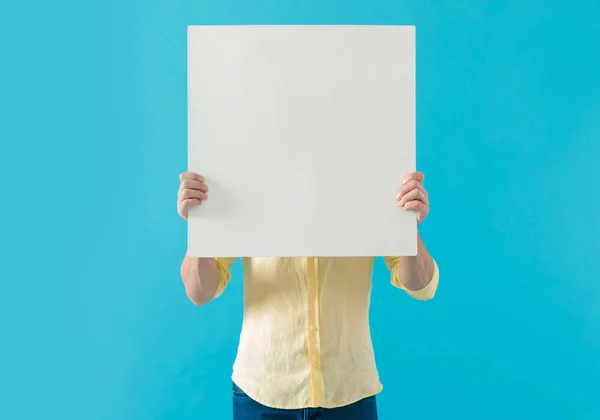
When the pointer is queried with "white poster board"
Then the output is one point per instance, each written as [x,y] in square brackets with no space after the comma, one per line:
[304,135]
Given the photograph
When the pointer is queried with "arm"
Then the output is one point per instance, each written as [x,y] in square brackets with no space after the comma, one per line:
[414,273]
[201,279]
[419,274]
[204,278]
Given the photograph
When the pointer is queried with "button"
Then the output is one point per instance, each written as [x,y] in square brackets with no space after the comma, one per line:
[313,328]
[315,365]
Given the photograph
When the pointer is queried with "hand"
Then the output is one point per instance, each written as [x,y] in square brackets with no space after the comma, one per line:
[192,192]
[412,196]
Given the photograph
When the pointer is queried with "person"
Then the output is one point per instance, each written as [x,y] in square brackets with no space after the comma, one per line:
[305,349]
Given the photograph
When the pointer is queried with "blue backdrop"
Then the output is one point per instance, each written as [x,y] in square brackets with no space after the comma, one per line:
[95,324]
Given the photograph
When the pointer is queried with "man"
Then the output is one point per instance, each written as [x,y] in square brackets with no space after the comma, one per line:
[305,349]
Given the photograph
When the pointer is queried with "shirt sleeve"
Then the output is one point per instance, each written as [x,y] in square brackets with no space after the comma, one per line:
[426,292]
[224,265]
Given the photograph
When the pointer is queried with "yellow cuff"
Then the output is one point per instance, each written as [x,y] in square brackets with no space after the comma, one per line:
[224,277]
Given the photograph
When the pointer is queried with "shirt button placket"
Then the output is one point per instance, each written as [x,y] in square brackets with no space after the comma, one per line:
[314,350]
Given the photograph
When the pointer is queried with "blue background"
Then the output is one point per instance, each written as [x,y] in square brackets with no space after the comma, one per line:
[94,320]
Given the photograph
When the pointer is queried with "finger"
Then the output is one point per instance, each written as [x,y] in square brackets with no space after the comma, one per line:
[191,175]
[416,194]
[190,202]
[411,185]
[185,205]
[187,193]
[192,184]
[418,207]
[416,176]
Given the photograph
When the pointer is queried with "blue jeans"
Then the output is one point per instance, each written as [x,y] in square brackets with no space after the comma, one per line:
[245,408]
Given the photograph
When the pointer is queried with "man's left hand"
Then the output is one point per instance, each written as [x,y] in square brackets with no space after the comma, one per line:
[413,196]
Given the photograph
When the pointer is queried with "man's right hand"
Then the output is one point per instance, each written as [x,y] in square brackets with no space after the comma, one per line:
[192,192]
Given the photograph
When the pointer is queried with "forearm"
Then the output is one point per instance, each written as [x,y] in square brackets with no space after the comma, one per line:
[201,279]
[415,272]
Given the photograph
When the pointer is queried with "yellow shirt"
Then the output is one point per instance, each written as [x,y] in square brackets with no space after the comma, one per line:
[305,339]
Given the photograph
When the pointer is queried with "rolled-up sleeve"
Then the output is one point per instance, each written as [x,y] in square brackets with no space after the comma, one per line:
[224,265]
[426,293]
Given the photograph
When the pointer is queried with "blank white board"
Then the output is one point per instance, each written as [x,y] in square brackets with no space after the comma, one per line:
[304,135]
